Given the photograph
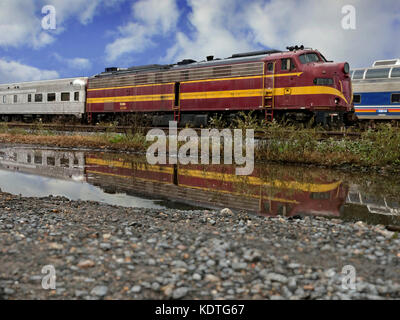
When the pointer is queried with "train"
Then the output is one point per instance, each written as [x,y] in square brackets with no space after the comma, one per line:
[296,85]
[377,91]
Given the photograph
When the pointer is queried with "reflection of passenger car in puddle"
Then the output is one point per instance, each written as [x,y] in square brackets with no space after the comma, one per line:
[49,163]
[378,205]
[218,186]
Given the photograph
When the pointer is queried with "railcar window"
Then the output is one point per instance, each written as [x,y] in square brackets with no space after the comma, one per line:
[396,73]
[323,81]
[359,74]
[377,73]
[65,96]
[51,161]
[76,96]
[51,97]
[357,98]
[29,98]
[15,98]
[320,195]
[270,67]
[396,98]
[37,159]
[4,99]
[38,97]
[309,57]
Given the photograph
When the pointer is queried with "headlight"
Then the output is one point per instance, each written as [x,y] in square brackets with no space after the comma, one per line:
[346,68]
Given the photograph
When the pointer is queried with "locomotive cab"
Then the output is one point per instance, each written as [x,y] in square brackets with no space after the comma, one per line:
[329,87]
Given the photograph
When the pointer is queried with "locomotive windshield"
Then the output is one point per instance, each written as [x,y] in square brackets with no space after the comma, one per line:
[309,57]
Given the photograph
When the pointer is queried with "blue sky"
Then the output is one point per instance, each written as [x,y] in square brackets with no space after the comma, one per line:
[94,34]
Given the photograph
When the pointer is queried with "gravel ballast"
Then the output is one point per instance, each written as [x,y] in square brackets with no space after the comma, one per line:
[108,252]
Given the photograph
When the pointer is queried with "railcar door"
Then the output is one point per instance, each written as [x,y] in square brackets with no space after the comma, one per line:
[287,82]
[269,84]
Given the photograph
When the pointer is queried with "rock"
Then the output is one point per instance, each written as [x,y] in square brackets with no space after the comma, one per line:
[56,246]
[168,289]
[196,277]
[292,284]
[136,289]
[180,293]
[252,256]
[9,291]
[105,246]
[211,278]
[86,264]
[326,247]
[99,291]
[226,211]
[155,286]
[239,266]
[277,277]
[80,293]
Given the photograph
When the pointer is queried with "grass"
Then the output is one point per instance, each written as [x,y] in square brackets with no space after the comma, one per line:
[285,143]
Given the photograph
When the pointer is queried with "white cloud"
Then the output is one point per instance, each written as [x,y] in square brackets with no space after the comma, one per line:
[224,27]
[318,24]
[74,63]
[13,71]
[218,29]
[150,18]
[83,10]
[19,25]
[20,20]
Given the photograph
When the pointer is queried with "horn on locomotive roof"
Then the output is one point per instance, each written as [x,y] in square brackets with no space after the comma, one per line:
[293,48]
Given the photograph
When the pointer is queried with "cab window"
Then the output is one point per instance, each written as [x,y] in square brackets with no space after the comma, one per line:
[287,64]
[309,57]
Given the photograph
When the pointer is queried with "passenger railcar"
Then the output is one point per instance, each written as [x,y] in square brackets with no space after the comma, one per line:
[377,91]
[298,84]
[43,99]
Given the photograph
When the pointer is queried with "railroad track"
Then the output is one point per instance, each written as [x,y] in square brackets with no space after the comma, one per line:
[127,129]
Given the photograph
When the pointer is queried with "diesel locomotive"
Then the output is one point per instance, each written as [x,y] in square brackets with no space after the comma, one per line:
[296,85]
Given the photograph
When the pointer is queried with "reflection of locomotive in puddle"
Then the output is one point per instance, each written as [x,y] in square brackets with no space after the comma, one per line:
[49,163]
[271,190]
[218,186]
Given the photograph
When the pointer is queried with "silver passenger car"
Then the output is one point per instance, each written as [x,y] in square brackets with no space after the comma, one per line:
[61,97]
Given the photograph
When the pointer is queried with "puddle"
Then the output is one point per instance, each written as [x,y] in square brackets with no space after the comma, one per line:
[128,180]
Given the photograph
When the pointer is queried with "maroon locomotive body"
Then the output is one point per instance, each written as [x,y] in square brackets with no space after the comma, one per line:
[298,84]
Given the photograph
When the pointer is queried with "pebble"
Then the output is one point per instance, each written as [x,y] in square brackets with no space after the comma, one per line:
[99,291]
[102,251]
[180,293]
[136,289]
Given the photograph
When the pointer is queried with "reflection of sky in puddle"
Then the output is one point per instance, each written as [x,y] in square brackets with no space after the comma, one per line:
[37,186]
